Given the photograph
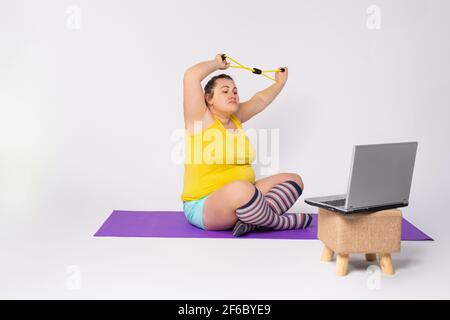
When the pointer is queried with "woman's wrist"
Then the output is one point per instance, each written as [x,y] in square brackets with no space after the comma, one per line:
[280,84]
[215,64]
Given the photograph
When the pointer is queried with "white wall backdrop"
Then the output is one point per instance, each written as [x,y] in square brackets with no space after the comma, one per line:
[91,92]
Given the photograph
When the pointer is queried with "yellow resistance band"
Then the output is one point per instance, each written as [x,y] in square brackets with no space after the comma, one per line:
[254,70]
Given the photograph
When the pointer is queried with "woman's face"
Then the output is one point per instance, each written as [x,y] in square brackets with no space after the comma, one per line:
[225,98]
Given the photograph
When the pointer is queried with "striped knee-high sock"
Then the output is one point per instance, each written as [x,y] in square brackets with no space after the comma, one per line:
[280,198]
[283,196]
[258,212]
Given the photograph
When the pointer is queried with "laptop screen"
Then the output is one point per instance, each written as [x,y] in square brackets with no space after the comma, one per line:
[381,174]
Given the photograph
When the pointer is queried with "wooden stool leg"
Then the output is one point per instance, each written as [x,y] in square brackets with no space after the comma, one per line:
[386,264]
[327,254]
[342,264]
[371,256]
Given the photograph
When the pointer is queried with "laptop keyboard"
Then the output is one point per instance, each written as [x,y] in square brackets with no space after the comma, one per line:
[336,203]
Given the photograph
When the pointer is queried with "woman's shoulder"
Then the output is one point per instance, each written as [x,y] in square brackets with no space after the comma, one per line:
[236,120]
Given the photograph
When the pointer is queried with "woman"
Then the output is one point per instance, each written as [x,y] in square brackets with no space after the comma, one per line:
[220,195]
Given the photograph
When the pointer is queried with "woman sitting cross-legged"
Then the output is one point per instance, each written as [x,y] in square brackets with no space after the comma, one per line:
[220,191]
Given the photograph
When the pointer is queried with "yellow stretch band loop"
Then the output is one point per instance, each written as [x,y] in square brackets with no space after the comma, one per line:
[224,55]
[253,70]
[265,75]
[239,67]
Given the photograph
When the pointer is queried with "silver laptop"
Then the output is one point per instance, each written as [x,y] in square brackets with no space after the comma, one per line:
[380,178]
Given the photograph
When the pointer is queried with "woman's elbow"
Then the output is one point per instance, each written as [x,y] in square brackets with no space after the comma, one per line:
[189,74]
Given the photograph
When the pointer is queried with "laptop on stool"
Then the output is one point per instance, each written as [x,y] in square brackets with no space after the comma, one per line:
[380,178]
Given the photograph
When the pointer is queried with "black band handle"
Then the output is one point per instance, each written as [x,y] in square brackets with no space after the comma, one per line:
[257,71]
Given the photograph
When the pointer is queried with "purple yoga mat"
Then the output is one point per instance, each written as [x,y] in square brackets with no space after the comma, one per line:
[173,224]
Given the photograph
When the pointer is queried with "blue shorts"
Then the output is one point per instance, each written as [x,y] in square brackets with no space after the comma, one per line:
[193,210]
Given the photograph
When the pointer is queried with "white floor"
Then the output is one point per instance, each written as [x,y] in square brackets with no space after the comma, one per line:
[58,258]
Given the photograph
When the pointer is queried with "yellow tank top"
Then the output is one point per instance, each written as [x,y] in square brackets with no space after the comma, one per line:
[214,157]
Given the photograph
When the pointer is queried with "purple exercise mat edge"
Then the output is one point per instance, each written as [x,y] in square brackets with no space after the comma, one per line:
[173,224]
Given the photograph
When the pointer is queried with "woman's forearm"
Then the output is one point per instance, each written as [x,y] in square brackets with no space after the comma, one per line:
[268,94]
[201,70]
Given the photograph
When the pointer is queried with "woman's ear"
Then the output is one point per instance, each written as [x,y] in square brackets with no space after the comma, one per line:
[207,99]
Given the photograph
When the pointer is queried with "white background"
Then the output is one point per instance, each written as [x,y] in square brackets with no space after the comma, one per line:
[87,115]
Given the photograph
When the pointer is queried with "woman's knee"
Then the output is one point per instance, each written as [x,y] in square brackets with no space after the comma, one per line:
[240,192]
[219,212]
[296,178]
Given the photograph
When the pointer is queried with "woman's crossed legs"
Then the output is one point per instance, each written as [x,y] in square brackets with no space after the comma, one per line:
[260,206]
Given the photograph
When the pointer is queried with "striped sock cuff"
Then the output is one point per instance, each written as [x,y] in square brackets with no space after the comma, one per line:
[253,199]
[296,186]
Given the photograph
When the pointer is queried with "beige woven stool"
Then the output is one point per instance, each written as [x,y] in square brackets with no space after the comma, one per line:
[370,233]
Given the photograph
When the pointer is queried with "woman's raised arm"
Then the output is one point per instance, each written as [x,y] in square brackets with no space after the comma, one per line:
[263,98]
[193,96]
